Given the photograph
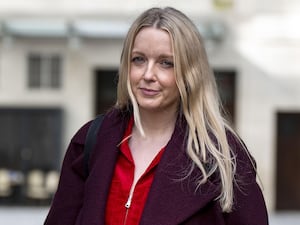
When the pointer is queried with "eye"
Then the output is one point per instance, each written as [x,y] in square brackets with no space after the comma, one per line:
[167,63]
[138,60]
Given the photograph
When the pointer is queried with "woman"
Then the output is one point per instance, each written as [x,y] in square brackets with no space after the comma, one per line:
[164,154]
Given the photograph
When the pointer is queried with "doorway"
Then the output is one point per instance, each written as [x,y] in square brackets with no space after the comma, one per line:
[226,82]
[288,161]
[106,90]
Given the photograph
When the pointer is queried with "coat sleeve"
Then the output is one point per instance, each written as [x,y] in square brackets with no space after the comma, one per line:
[68,198]
[249,206]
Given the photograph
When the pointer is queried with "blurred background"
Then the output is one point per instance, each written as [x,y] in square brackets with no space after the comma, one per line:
[58,66]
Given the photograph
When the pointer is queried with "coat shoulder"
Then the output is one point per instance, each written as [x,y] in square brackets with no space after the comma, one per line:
[110,117]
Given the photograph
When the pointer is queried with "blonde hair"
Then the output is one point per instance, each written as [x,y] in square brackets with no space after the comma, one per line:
[199,100]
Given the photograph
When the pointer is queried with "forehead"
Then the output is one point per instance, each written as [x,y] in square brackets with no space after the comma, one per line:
[151,38]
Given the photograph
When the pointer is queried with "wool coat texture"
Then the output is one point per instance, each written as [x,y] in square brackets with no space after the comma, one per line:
[172,200]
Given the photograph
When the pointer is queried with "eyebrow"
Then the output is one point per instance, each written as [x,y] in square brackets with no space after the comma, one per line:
[160,56]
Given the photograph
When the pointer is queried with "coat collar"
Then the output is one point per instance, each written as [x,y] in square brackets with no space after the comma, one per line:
[171,199]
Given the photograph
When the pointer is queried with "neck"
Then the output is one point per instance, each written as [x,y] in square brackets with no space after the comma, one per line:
[158,123]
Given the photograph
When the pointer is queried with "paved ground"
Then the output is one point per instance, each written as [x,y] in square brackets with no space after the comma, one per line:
[36,216]
[22,216]
[288,218]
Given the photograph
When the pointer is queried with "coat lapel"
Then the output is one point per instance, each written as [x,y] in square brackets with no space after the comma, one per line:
[103,160]
[171,199]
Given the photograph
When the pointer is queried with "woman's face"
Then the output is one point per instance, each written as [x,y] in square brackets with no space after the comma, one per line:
[152,75]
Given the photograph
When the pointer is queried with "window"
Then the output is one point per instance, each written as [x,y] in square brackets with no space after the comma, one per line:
[30,154]
[44,71]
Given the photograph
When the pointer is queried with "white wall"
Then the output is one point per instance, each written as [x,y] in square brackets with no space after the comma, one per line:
[76,96]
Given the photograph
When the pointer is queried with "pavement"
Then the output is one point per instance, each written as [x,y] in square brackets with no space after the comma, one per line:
[36,216]
[285,218]
[22,215]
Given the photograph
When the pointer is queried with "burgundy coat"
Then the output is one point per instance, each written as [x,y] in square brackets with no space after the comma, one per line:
[171,200]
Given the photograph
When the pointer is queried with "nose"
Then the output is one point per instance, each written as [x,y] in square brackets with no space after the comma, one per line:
[149,73]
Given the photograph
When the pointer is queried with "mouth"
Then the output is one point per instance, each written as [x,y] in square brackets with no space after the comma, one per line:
[149,92]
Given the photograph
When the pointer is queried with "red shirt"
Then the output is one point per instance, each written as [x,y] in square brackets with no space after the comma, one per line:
[116,211]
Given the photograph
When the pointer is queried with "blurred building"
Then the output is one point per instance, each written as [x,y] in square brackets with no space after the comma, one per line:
[58,67]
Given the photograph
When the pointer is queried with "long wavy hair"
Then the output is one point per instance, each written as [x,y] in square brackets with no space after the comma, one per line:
[199,99]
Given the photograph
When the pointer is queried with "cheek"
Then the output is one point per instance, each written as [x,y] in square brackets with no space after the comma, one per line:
[132,78]
[171,82]
[173,87]
[133,75]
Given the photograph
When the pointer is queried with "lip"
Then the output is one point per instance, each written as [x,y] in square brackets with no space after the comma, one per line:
[149,92]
